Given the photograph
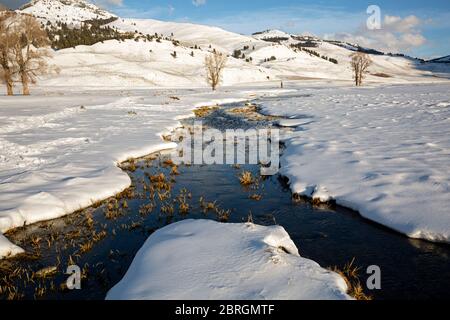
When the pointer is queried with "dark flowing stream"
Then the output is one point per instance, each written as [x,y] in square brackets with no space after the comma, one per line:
[103,239]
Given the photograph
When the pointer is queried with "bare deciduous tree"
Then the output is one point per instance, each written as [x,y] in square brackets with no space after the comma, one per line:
[360,63]
[29,54]
[7,40]
[215,63]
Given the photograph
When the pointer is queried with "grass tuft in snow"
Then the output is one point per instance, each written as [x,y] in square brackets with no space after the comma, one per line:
[350,273]
[204,111]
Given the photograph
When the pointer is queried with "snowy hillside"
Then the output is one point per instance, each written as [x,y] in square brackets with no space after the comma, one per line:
[278,61]
[72,12]
[189,34]
[176,58]
[144,64]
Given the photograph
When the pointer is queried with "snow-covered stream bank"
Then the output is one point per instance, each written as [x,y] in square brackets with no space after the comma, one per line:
[59,152]
[384,152]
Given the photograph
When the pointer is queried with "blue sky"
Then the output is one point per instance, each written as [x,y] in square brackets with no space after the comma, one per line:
[417,27]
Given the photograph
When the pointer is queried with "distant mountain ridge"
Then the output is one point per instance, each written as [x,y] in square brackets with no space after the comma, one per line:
[445,59]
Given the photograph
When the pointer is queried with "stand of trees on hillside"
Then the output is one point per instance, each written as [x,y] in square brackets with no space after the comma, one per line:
[301,47]
[62,36]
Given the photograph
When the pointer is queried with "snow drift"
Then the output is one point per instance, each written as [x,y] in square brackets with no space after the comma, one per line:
[206,260]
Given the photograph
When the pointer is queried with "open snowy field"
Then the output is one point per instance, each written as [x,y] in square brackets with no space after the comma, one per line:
[207,260]
[384,152]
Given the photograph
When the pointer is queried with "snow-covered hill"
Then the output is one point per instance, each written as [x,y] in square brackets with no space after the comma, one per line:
[72,12]
[189,34]
[271,34]
[144,64]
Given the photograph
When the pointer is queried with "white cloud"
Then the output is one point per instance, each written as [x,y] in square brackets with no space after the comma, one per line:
[397,34]
[414,40]
[397,24]
[198,3]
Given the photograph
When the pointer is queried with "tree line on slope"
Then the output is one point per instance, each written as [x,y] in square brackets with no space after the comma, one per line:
[301,47]
[90,32]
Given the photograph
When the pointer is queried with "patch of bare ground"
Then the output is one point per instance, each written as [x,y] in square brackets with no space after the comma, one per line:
[251,112]
[381,75]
